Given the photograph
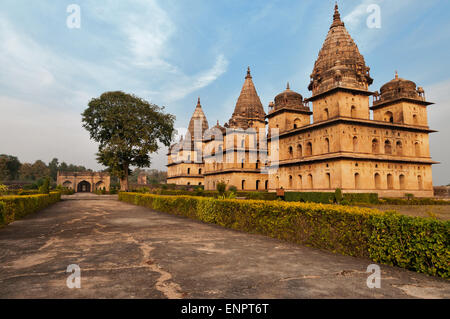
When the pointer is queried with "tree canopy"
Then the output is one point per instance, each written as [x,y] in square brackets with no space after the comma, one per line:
[128,129]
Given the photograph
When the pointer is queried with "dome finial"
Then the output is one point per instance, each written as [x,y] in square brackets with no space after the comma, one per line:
[288,87]
[249,76]
[337,17]
[396,75]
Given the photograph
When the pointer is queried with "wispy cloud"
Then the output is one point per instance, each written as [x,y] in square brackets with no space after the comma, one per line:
[190,84]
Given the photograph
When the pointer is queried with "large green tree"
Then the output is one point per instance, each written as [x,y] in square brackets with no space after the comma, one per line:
[9,167]
[128,129]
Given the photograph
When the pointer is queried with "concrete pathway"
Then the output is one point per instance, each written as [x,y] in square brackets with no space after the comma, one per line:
[125,251]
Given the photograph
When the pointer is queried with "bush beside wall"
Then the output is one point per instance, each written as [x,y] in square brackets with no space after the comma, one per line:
[16,207]
[310,197]
[413,243]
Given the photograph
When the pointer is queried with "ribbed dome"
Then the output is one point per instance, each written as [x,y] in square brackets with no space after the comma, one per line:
[289,99]
[248,107]
[339,63]
[399,88]
[198,116]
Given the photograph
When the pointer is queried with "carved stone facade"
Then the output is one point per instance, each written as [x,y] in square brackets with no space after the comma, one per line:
[85,182]
[349,144]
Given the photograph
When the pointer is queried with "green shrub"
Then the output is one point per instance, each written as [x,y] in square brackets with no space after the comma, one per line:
[413,243]
[221,188]
[338,195]
[3,189]
[361,198]
[199,191]
[232,189]
[420,244]
[45,187]
[311,197]
[16,207]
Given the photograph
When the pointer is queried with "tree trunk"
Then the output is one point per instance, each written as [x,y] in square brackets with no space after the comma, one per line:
[124,180]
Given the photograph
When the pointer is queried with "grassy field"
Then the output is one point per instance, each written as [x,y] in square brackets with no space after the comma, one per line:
[441,212]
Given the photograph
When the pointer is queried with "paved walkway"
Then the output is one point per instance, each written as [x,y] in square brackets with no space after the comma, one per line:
[126,251]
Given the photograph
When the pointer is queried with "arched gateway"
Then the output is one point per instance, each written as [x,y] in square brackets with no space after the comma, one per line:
[85,182]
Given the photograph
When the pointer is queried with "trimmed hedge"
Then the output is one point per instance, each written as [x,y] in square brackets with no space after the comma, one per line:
[413,243]
[413,201]
[310,197]
[361,198]
[329,198]
[16,207]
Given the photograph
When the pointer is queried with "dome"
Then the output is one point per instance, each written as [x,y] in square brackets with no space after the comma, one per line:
[339,64]
[399,88]
[289,99]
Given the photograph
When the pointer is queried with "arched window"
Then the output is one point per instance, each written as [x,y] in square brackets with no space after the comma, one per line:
[189,184]
[310,182]
[415,120]
[401,179]
[326,114]
[387,147]
[389,117]
[399,148]
[355,144]
[267,185]
[353,111]
[199,171]
[291,151]
[417,149]
[297,123]
[308,151]
[300,182]
[328,180]
[375,146]
[200,184]
[419,182]
[242,163]
[189,158]
[390,181]
[377,181]
[243,144]
[357,181]
[299,151]
[257,185]
[290,181]
[189,171]
[327,145]
[257,164]
[243,185]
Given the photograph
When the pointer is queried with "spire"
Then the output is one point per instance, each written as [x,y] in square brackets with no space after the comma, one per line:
[339,64]
[336,17]
[248,106]
[396,75]
[198,118]
[287,87]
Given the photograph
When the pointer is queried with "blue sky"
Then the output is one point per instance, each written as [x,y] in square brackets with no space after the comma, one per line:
[170,52]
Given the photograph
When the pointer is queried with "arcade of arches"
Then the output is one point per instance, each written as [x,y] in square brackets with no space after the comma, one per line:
[85,182]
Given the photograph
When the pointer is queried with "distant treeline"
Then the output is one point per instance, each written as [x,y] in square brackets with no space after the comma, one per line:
[11,169]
